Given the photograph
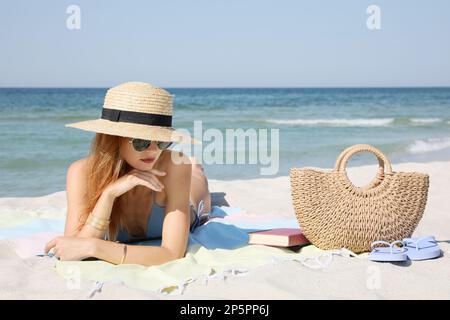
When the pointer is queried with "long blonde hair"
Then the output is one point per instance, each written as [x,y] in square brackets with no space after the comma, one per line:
[104,167]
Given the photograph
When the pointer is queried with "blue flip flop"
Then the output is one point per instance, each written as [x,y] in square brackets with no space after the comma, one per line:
[422,248]
[391,253]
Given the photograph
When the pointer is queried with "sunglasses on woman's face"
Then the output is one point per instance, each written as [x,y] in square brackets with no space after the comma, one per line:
[141,144]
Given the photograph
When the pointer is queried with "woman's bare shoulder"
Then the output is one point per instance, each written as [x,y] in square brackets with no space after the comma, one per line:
[79,167]
[171,159]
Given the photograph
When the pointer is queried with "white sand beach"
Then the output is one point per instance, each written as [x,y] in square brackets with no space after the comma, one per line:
[345,278]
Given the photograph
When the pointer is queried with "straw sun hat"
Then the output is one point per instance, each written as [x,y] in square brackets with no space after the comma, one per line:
[136,110]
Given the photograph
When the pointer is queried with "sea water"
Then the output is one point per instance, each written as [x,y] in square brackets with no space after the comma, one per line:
[407,124]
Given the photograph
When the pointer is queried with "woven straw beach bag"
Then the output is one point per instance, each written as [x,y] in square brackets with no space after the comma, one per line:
[333,213]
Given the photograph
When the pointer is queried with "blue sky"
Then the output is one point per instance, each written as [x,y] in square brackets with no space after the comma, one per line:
[208,43]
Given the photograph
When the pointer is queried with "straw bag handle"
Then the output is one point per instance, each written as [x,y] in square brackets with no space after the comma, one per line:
[354,147]
[383,162]
[379,175]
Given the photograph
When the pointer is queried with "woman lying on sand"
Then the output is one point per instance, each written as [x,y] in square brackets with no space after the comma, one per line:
[132,187]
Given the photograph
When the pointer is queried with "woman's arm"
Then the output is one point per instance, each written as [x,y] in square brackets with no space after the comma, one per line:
[143,255]
[76,197]
[175,233]
[77,248]
[102,210]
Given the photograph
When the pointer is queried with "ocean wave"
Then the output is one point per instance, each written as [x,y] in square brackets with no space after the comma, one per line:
[334,122]
[429,145]
[425,120]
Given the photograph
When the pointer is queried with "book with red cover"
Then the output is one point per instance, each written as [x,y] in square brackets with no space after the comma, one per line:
[280,237]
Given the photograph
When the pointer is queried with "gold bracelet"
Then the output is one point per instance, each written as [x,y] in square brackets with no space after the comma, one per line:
[98,227]
[124,253]
[97,223]
[99,220]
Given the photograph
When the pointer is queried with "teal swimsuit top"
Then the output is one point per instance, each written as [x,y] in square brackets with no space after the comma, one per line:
[154,225]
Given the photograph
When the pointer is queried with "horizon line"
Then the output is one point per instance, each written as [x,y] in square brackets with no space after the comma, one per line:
[225,87]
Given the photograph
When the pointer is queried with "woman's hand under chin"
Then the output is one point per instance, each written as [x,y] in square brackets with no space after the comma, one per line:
[71,248]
